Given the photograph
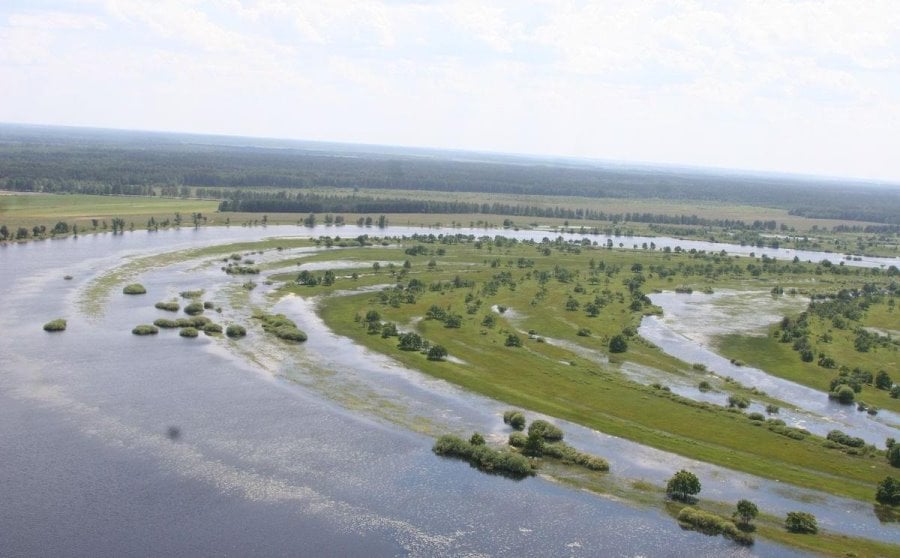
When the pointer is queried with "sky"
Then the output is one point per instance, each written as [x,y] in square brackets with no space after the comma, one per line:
[809,87]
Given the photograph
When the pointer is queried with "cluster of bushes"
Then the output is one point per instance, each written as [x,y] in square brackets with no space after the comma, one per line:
[544,440]
[280,326]
[197,322]
[888,492]
[801,522]
[482,457]
[58,324]
[712,524]
[134,289]
[515,419]
[844,439]
[237,269]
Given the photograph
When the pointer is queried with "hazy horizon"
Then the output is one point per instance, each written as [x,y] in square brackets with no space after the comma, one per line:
[785,88]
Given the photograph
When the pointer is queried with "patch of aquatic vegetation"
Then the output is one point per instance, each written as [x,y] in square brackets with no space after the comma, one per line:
[94,297]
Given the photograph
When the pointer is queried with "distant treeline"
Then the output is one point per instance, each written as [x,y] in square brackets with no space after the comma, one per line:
[97,161]
[284,202]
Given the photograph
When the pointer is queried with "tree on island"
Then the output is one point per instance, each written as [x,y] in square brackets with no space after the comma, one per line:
[746,512]
[683,485]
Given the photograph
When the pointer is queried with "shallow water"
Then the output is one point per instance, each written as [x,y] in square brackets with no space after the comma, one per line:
[259,465]
[685,331]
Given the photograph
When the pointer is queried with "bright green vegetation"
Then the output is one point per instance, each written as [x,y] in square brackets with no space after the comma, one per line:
[134,289]
[168,306]
[712,524]
[551,291]
[235,331]
[828,347]
[484,458]
[165,323]
[58,324]
[515,419]
[145,329]
[189,332]
[280,326]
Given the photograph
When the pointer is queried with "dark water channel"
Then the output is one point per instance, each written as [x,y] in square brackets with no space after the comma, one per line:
[114,444]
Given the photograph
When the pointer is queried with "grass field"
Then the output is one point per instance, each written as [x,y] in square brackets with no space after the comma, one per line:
[555,380]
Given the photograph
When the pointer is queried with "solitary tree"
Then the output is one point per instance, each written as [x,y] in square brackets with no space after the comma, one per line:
[683,485]
[618,344]
[746,511]
[437,352]
[888,492]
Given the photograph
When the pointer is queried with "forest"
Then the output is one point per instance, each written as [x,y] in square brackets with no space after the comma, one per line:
[74,160]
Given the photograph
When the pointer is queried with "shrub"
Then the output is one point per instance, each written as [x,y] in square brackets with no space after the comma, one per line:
[584,332]
[482,457]
[515,419]
[888,492]
[410,342]
[211,328]
[145,329]
[683,485]
[513,340]
[194,308]
[477,439]
[738,401]
[757,416]
[893,455]
[801,522]
[517,439]
[843,394]
[437,352]
[534,445]
[189,332]
[168,306]
[704,386]
[280,326]
[134,289]
[191,294]
[58,324]
[711,524]
[164,323]
[618,344]
[235,331]
[772,409]
[208,305]
[844,439]
[545,430]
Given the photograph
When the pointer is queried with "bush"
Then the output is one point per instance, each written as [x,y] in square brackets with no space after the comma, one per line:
[534,445]
[134,289]
[618,344]
[195,322]
[208,305]
[517,440]
[704,386]
[513,340]
[893,455]
[711,524]
[168,306]
[746,511]
[145,329]
[545,430]
[211,328]
[234,331]
[568,454]
[801,522]
[757,417]
[584,332]
[483,457]
[191,294]
[772,409]
[888,492]
[437,352]
[410,342]
[280,326]
[194,308]
[165,324]
[738,401]
[844,439]
[515,419]
[477,439]
[683,485]
[843,394]
[189,332]
[58,324]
